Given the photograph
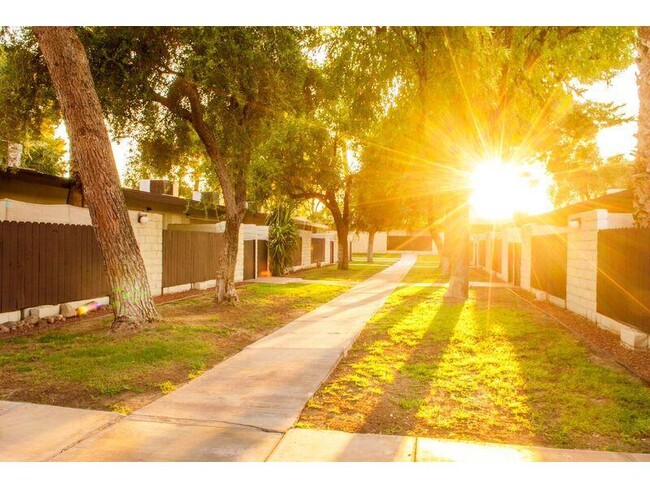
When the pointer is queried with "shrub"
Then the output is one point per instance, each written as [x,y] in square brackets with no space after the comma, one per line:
[283,239]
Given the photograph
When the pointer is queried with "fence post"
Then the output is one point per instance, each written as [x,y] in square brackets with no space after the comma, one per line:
[582,262]
[526,256]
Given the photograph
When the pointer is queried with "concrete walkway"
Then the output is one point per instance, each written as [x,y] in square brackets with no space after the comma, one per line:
[472,284]
[327,445]
[238,411]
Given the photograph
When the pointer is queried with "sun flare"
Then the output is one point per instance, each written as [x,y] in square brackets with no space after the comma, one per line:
[500,189]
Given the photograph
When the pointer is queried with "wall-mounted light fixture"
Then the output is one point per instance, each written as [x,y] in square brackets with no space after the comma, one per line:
[143,218]
[575,223]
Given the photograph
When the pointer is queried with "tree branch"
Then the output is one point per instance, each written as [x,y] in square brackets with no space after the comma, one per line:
[171,106]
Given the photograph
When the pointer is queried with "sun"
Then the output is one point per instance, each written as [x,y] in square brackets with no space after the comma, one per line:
[500,189]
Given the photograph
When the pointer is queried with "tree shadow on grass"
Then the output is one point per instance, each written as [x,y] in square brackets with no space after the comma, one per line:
[460,379]
[418,360]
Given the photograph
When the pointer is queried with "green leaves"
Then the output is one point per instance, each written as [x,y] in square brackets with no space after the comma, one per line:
[283,239]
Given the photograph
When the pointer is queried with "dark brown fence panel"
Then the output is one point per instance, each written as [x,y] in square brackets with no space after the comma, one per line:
[43,264]
[623,284]
[549,260]
[514,264]
[409,243]
[297,253]
[497,252]
[205,248]
[249,260]
[482,252]
[262,258]
[189,257]
[317,250]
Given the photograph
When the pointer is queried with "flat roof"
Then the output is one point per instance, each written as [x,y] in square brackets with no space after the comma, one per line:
[618,202]
[135,199]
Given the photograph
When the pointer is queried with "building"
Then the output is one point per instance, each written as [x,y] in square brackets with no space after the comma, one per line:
[585,257]
[177,237]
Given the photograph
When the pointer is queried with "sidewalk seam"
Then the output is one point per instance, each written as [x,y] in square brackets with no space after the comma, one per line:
[87,436]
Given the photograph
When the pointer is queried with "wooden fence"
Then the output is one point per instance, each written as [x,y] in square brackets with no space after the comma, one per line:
[48,264]
[481,252]
[514,263]
[189,257]
[549,262]
[497,252]
[249,259]
[317,250]
[623,283]
[409,243]
[262,258]
[297,253]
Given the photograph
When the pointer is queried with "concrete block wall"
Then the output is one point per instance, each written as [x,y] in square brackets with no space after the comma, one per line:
[526,257]
[582,261]
[306,248]
[150,240]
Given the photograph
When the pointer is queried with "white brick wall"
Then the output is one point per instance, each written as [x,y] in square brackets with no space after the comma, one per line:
[149,237]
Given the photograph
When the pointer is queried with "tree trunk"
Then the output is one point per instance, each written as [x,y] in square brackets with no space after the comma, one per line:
[641,184]
[342,230]
[440,245]
[75,189]
[68,65]
[225,288]
[234,194]
[457,249]
[371,245]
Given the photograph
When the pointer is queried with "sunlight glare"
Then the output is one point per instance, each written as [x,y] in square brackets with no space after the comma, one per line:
[500,189]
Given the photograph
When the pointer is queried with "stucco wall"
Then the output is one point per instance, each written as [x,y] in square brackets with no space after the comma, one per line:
[360,242]
[380,245]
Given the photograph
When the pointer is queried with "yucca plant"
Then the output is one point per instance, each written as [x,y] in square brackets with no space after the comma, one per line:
[283,240]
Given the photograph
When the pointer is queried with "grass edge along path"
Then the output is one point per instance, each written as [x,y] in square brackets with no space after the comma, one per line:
[82,366]
[502,373]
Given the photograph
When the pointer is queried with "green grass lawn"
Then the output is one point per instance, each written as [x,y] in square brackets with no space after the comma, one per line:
[426,270]
[492,369]
[80,365]
[358,271]
[378,257]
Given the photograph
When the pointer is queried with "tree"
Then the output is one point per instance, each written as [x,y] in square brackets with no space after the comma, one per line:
[305,161]
[641,183]
[29,113]
[127,277]
[314,156]
[375,207]
[469,94]
[224,84]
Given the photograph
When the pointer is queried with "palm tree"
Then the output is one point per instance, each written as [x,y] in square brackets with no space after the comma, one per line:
[642,173]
